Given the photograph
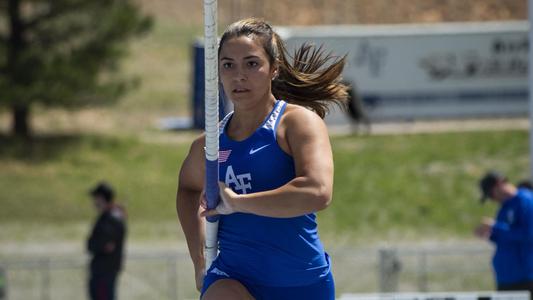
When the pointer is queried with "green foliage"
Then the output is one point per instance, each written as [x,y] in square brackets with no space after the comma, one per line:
[68,53]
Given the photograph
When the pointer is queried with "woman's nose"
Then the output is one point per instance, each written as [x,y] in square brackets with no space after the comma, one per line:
[240,75]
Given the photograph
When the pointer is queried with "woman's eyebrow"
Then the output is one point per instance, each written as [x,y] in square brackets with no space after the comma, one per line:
[246,57]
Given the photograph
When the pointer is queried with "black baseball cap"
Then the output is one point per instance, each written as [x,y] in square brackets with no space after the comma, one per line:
[104,190]
[487,183]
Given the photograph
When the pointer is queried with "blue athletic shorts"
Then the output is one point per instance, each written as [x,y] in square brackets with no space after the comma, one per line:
[324,289]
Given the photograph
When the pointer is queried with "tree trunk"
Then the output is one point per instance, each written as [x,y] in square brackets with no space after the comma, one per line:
[21,121]
[20,126]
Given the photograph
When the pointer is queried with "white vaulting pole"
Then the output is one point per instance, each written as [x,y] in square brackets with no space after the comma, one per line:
[530,84]
[211,127]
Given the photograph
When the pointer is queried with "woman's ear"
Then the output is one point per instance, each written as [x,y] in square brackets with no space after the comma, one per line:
[275,74]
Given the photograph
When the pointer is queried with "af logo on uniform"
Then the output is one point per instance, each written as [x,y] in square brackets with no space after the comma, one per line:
[240,182]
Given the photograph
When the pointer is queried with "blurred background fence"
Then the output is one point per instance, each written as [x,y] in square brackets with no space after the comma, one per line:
[170,275]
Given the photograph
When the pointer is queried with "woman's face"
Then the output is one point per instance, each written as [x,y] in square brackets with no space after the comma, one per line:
[245,71]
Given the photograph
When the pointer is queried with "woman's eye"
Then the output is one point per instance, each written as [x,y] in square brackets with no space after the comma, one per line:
[253,64]
[227,65]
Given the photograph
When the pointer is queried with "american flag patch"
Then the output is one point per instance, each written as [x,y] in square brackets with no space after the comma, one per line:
[223,155]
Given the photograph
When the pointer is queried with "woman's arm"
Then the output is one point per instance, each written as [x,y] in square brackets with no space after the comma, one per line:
[188,205]
[304,136]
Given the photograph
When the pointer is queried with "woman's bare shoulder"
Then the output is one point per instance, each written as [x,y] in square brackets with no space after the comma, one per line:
[298,115]
[193,167]
[198,143]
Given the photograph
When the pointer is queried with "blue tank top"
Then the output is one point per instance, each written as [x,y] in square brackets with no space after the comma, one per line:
[265,250]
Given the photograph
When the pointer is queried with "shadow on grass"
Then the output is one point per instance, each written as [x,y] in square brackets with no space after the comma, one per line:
[46,147]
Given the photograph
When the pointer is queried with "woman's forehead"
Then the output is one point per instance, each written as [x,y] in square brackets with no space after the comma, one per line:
[242,46]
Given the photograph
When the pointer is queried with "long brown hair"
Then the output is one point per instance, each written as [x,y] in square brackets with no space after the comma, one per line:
[313,79]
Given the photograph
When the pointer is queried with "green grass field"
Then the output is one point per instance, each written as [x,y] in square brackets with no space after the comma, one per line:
[386,187]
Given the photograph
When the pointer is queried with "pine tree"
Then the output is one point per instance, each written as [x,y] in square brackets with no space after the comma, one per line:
[63,53]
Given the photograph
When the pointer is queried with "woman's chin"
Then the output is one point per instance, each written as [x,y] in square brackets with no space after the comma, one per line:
[242,96]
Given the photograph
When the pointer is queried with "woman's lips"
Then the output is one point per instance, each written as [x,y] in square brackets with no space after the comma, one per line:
[238,91]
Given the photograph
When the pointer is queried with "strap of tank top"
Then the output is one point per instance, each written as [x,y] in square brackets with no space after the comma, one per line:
[276,112]
[223,123]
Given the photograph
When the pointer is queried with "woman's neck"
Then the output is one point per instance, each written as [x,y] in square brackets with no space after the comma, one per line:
[247,118]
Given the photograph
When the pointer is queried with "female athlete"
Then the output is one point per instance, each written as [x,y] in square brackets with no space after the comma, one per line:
[276,171]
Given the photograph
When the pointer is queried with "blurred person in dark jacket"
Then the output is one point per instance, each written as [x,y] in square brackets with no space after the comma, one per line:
[106,243]
[511,232]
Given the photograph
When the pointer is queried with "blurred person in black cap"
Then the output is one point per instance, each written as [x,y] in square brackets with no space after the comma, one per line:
[105,243]
[526,183]
[511,232]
